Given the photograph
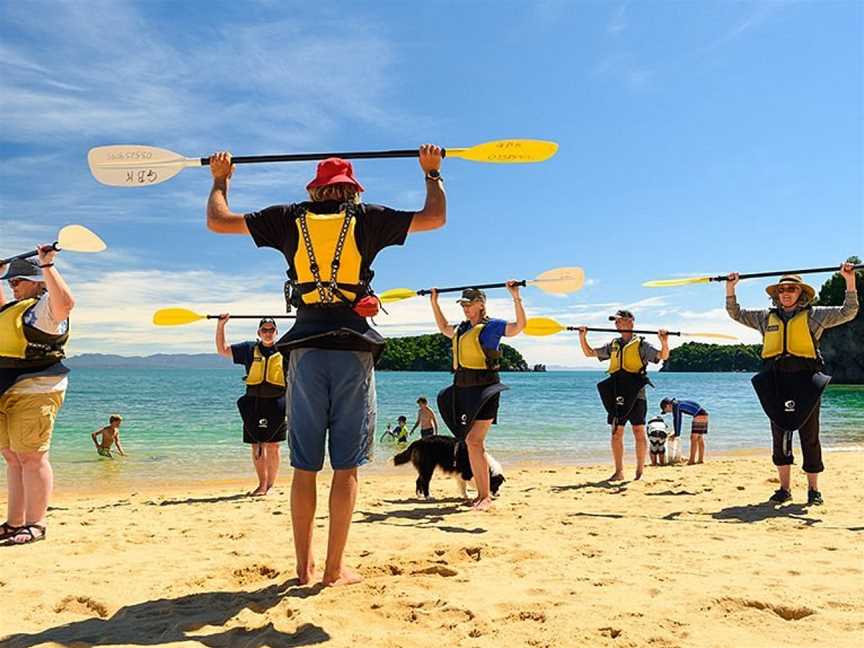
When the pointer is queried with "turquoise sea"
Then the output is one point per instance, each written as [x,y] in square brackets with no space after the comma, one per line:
[181,425]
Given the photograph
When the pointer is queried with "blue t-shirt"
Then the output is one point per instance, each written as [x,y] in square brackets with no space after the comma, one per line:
[242,353]
[490,336]
[684,407]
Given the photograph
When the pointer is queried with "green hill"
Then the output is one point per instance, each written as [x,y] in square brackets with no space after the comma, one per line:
[432,353]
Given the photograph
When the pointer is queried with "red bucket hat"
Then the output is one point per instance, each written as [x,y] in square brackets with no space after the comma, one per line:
[334,171]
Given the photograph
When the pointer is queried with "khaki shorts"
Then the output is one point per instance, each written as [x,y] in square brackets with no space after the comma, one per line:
[27,420]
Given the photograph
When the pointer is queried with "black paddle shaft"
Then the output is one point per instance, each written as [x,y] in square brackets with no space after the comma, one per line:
[28,255]
[306,157]
[754,275]
[428,291]
[254,316]
[614,330]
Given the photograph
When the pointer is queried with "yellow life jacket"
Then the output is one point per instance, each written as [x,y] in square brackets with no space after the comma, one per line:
[789,338]
[626,357]
[267,369]
[468,353]
[23,346]
[328,266]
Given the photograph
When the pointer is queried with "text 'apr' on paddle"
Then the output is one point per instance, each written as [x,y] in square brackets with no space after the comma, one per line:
[559,281]
[71,238]
[181,316]
[135,165]
[541,326]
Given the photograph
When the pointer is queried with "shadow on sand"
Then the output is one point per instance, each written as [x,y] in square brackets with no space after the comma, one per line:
[177,620]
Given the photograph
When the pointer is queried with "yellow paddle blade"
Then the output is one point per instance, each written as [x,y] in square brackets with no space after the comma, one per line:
[667,283]
[539,326]
[718,336]
[175,317]
[396,294]
[519,151]
[560,280]
[77,238]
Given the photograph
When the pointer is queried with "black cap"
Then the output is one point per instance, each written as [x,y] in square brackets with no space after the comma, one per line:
[472,295]
[266,320]
[665,402]
[23,269]
[621,313]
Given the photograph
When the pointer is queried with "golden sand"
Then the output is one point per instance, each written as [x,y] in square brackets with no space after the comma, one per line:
[690,556]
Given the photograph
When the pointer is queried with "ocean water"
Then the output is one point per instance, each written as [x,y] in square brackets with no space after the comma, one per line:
[182,425]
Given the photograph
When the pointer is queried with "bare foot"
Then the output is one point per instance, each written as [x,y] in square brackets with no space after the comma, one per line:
[638,475]
[344,577]
[307,575]
[616,477]
[483,505]
[258,492]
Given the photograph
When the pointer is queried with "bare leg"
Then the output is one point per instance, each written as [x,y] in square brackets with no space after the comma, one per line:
[653,459]
[694,445]
[641,448]
[618,452]
[812,481]
[343,495]
[260,463]
[476,442]
[303,501]
[38,482]
[15,487]
[273,456]
[785,475]
[701,454]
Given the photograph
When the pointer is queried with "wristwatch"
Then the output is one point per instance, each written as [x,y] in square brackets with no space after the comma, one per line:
[434,174]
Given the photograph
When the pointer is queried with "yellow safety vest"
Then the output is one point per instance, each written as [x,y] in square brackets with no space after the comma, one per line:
[789,338]
[267,369]
[324,231]
[468,353]
[626,357]
[22,345]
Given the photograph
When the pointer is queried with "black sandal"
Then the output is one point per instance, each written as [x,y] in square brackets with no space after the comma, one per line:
[28,530]
[7,531]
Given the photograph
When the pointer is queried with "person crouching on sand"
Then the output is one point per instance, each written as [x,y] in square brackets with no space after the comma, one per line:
[790,384]
[33,332]
[628,360]
[110,436]
[262,407]
[470,405]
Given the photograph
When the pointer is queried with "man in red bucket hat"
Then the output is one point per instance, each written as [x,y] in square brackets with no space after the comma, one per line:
[329,243]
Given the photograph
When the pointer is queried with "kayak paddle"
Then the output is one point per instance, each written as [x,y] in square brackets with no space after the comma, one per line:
[72,238]
[540,326]
[686,281]
[559,281]
[133,165]
[180,316]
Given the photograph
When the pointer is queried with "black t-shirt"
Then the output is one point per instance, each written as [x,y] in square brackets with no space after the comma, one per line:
[377,227]
[242,354]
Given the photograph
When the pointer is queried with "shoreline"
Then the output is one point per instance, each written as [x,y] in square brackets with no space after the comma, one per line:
[141,486]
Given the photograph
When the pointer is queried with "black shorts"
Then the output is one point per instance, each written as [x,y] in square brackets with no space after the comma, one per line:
[699,427]
[636,415]
[489,411]
[426,432]
[263,419]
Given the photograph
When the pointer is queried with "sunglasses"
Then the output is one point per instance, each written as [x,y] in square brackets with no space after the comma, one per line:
[267,330]
[788,289]
[15,282]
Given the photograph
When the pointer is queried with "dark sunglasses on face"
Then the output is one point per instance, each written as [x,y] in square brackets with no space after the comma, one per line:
[788,289]
[267,330]
[15,282]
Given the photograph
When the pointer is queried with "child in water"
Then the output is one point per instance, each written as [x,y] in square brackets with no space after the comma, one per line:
[110,435]
[401,430]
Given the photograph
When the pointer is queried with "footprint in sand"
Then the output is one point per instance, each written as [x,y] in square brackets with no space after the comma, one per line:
[82,605]
[785,612]
[254,573]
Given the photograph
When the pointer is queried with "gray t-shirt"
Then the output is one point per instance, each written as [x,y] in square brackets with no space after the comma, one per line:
[646,352]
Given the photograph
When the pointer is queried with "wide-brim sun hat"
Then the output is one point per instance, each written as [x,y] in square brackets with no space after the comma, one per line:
[794,280]
[334,171]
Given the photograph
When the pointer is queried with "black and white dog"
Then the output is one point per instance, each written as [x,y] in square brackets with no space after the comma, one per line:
[449,455]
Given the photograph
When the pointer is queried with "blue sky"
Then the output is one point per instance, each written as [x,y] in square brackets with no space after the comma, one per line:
[694,138]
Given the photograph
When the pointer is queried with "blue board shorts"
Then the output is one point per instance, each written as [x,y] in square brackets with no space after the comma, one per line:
[330,400]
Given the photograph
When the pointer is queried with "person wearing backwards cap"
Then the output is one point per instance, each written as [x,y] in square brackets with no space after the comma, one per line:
[34,327]
[329,243]
[262,407]
[623,392]
[470,405]
[791,382]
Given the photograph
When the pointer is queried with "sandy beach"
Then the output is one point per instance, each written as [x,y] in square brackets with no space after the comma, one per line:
[688,557]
